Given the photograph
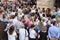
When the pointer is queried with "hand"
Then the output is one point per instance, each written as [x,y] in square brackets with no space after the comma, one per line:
[38,36]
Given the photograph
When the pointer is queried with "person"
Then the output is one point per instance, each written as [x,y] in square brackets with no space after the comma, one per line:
[54,11]
[32,32]
[3,34]
[53,32]
[43,33]
[12,33]
[48,12]
[59,25]
[1,15]
[58,12]
[23,34]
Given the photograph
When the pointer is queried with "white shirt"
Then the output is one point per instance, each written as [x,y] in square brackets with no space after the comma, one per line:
[32,33]
[12,37]
[33,11]
[41,15]
[44,24]
[59,25]
[49,22]
[45,18]
[13,13]
[17,23]
[22,34]
[58,12]
[36,22]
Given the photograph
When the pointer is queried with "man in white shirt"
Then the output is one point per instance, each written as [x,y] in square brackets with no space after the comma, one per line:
[32,33]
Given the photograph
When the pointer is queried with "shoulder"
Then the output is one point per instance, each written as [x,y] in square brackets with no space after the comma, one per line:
[21,29]
[51,28]
[33,31]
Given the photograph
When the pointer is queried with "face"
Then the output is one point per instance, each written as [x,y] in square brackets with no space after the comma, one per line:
[2,8]
[22,25]
[56,23]
[3,13]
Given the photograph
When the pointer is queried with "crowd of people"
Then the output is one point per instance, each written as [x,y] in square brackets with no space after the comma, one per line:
[27,22]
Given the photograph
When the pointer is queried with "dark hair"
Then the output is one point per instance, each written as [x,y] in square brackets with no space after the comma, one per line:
[32,26]
[11,30]
[12,16]
[48,10]
[53,16]
[4,15]
[16,14]
[53,22]
[43,15]
[48,15]
[43,9]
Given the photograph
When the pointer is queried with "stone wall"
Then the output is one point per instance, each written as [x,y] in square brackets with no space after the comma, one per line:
[45,3]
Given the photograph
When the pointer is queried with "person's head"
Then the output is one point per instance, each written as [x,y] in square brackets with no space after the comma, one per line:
[43,20]
[43,9]
[11,30]
[4,16]
[54,23]
[2,8]
[55,8]
[39,8]
[24,5]
[36,10]
[22,25]
[16,14]
[12,16]
[52,16]
[43,15]
[49,18]
[32,26]
[44,29]
[48,10]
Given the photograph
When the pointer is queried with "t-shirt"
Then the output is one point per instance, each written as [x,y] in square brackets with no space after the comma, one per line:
[32,33]
[43,35]
[36,22]
[22,34]
[59,28]
[11,37]
[58,12]
[53,32]
[17,23]
[28,22]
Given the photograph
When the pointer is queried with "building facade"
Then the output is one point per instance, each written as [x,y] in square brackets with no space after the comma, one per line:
[48,3]
[45,3]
